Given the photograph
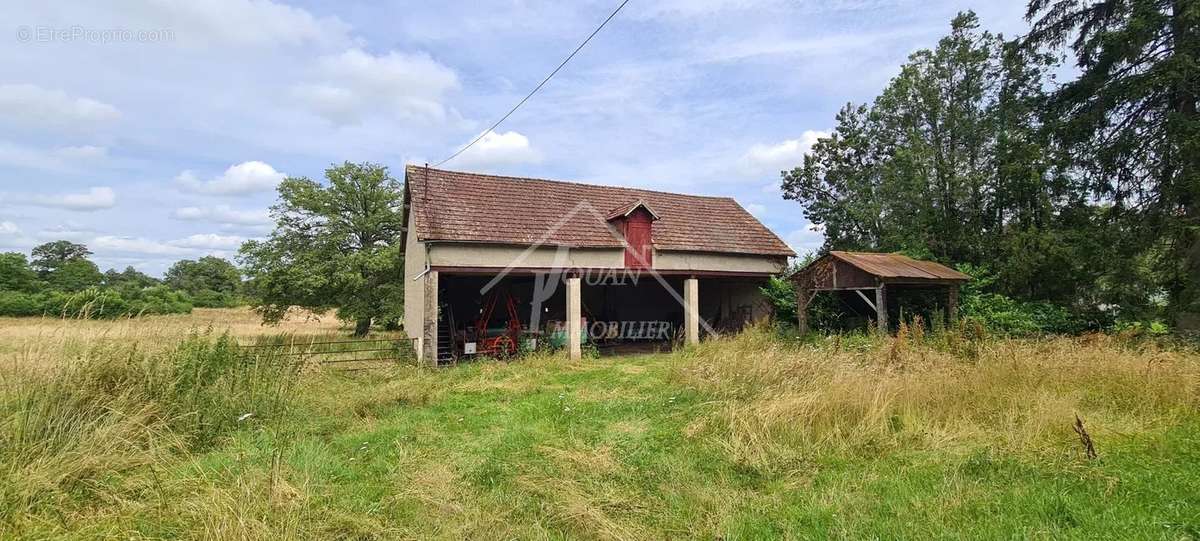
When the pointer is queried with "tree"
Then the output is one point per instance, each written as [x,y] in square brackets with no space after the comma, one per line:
[209,273]
[15,274]
[335,245]
[953,161]
[75,275]
[50,256]
[129,278]
[1131,123]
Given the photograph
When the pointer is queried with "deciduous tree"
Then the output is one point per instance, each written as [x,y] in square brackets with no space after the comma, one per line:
[336,245]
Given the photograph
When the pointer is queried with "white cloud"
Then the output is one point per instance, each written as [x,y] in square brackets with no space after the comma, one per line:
[498,149]
[35,106]
[758,210]
[781,156]
[243,178]
[209,241]
[11,236]
[805,240]
[828,45]
[83,152]
[56,159]
[96,198]
[235,23]
[222,214]
[355,84]
[135,245]
[66,231]
[192,245]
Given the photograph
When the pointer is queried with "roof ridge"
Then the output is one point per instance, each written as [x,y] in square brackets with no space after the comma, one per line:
[567,182]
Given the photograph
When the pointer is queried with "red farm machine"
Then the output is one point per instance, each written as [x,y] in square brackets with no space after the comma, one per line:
[498,341]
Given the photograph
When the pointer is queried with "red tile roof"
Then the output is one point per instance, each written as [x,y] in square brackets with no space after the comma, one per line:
[470,207]
[898,266]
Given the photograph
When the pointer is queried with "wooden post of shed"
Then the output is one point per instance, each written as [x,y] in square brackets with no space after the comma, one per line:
[881,316]
[952,302]
[804,296]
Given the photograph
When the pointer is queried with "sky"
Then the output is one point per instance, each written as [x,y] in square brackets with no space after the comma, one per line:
[154,131]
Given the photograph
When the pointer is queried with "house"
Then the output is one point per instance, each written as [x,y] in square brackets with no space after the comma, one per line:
[494,260]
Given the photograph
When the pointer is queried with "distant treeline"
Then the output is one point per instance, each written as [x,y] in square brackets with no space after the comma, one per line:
[58,280]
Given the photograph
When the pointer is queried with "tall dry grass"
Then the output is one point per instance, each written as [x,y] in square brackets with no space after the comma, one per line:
[69,433]
[46,340]
[780,403]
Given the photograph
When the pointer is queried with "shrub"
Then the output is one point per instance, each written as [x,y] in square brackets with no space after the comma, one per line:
[96,303]
[160,300]
[208,298]
[1007,316]
[822,309]
[18,304]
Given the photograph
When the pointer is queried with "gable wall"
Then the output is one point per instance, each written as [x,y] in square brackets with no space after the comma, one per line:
[414,289]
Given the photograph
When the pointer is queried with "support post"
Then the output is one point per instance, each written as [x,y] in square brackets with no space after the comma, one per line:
[429,345]
[573,318]
[691,309]
[803,297]
[881,316]
[952,303]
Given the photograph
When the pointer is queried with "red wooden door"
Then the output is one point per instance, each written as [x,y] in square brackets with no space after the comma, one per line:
[639,253]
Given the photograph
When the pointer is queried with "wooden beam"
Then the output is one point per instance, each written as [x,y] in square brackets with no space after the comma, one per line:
[951,303]
[866,299]
[881,316]
[803,298]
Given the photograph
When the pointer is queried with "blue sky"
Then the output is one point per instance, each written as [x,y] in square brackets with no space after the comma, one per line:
[164,140]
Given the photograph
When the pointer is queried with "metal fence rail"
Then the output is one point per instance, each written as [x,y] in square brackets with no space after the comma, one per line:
[329,352]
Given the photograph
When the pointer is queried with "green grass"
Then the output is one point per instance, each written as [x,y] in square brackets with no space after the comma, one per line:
[659,446]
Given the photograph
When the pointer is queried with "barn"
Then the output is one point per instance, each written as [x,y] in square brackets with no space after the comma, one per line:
[496,264]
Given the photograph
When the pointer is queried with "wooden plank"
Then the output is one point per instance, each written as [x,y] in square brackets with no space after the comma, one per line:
[881,308]
[866,299]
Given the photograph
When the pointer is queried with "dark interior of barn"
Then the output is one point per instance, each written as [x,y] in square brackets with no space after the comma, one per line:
[501,317]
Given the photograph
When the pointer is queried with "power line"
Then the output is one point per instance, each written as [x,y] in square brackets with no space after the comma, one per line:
[538,87]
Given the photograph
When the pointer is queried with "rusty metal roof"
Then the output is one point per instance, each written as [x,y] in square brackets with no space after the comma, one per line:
[899,266]
[471,207]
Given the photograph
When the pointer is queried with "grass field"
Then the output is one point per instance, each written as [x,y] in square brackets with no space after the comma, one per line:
[748,437]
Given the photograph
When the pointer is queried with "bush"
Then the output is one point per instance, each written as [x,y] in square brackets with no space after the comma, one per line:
[160,300]
[96,303]
[822,309]
[1011,317]
[17,304]
[208,298]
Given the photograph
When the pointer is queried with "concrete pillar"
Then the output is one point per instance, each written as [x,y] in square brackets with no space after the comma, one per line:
[691,310]
[429,340]
[881,316]
[573,316]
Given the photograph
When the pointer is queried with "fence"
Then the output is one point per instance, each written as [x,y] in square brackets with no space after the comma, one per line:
[342,355]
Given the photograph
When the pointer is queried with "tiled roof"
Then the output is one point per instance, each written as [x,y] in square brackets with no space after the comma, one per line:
[898,266]
[470,207]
